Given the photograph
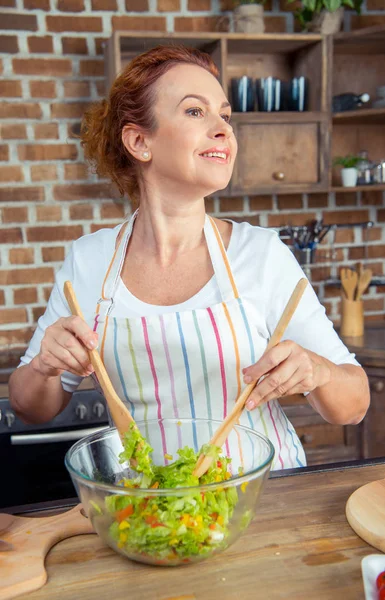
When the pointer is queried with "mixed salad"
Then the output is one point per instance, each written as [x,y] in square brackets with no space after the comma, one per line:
[167,529]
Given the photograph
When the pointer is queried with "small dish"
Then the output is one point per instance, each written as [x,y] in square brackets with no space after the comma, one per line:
[372,565]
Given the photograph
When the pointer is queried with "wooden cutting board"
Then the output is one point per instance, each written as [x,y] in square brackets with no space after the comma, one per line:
[365,512]
[25,542]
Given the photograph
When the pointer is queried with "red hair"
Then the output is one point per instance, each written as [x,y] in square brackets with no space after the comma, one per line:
[131,99]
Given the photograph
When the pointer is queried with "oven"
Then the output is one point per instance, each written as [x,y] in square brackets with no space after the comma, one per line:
[32,456]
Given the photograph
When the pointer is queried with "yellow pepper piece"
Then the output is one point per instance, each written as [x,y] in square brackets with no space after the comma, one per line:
[199,518]
[120,545]
[173,542]
[168,456]
[123,537]
[220,520]
[244,486]
[124,525]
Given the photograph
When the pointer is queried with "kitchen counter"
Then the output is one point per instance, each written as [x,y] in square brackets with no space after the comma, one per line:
[299,546]
[370,348]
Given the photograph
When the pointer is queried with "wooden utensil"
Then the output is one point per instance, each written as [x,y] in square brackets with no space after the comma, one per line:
[119,411]
[364,278]
[224,429]
[365,512]
[27,541]
[349,280]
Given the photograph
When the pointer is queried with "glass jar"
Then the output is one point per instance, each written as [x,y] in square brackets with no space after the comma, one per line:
[364,169]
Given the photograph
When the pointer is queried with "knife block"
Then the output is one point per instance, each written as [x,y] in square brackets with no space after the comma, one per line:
[352,318]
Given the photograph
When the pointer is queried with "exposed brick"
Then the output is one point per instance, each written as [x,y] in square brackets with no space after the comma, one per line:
[373,304]
[376,267]
[12,235]
[346,199]
[168,5]
[139,23]
[317,200]
[346,216]
[18,21]
[10,88]
[13,315]
[46,131]
[320,273]
[112,210]
[37,4]
[199,5]
[48,213]
[209,205]
[75,23]
[91,68]
[14,214]
[296,219]
[77,89]
[59,233]
[96,226]
[261,202]
[75,171]
[137,6]
[201,24]
[68,110]
[40,44]
[275,24]
[17,336]
[253,220]
[42,89]
[327,254]
[377,251]
[101,88]
[47,152]
[53,254]
[43,172]
[374,234]
[332,291]
[22,194]
[230,204]
[70,5]
[8,3]
[284,6]
[375,4]
[100,45]
[9,44]
[359,22]
[371,198]
[47,292]
[73,45]
[344,236]
[56,67]
[82,191]
[21,256]
[81,211]
[2,297]
[28,110]
[376,317]
[11,173]
[37,312]
[381,215]
[4,152]
[14,131]
[104,5]
[288,201]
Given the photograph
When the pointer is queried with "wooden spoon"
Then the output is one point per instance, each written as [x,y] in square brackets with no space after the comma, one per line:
[119,411]
[363,282]
[349,279]
[223,431]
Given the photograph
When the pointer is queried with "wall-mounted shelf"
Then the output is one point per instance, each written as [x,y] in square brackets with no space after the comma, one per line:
[359,188]
[374,116]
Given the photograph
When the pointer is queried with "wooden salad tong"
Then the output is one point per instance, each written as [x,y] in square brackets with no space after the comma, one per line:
[223,431]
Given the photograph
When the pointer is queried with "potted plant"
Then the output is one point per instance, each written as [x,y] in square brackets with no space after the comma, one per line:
[248,16]
[324,16]
[348,172]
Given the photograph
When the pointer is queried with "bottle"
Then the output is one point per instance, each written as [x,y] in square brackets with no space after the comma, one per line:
[364,169]
[348,101]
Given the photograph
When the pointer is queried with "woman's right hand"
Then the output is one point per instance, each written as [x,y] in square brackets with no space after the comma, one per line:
[64,347]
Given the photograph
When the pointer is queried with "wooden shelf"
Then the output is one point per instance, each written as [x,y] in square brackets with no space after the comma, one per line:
[280,117]
[371,116]
[359,188]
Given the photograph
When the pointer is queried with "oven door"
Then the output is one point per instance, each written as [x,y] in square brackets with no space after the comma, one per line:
[33,465]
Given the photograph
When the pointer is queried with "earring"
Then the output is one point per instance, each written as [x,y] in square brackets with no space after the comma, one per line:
[146,155]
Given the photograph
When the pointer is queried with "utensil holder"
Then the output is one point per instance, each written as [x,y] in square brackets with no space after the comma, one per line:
[352,318]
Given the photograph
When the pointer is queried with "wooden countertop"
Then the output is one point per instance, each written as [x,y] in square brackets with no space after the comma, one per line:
[299,546]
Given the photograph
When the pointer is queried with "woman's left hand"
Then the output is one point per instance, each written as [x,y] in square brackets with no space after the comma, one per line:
[288,369]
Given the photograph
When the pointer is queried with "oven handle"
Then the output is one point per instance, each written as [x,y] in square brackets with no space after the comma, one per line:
[59,436]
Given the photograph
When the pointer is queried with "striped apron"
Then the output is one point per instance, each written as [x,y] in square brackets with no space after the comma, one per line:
[189,363]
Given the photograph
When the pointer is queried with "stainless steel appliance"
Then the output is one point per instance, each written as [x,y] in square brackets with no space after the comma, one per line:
[32,456]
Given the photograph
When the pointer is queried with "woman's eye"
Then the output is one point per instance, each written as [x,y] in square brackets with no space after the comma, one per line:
[226,118]
[195,112]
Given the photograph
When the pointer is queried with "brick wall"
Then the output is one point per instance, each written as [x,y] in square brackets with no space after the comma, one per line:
[51,66]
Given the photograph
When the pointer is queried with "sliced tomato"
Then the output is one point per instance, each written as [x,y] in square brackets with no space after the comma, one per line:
[123,514]
[380,581]
[381,593]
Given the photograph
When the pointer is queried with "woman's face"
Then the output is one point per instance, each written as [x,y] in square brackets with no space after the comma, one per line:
[194,143]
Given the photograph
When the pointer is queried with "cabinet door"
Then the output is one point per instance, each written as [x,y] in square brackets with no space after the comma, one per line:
[374,421]
[276,154]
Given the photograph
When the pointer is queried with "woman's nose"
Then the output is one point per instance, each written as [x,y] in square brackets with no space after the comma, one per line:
[222,129]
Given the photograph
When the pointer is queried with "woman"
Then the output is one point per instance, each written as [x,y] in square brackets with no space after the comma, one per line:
[182,305]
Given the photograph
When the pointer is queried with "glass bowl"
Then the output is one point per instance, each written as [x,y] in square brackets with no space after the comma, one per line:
[176,525]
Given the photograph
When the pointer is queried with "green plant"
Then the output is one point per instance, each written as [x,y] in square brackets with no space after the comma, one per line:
[347,162]
[309,8]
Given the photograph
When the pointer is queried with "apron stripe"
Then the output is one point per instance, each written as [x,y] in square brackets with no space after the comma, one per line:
[171,374]
[119,369]
[277,434]
[225,259]
[156,383]
[137,376]
[188,379]
[103,339]
[204,368]
[222,366]
[292,436]
[278,414]
[237,373]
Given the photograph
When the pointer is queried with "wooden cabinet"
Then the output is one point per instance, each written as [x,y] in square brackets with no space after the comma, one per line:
[373,434]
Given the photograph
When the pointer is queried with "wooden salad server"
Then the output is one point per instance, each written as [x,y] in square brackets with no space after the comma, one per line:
[223,431]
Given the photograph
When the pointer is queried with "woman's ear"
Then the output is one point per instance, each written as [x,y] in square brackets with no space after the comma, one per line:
[135,143]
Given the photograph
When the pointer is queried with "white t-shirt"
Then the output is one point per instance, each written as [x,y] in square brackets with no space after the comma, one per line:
[264,269]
